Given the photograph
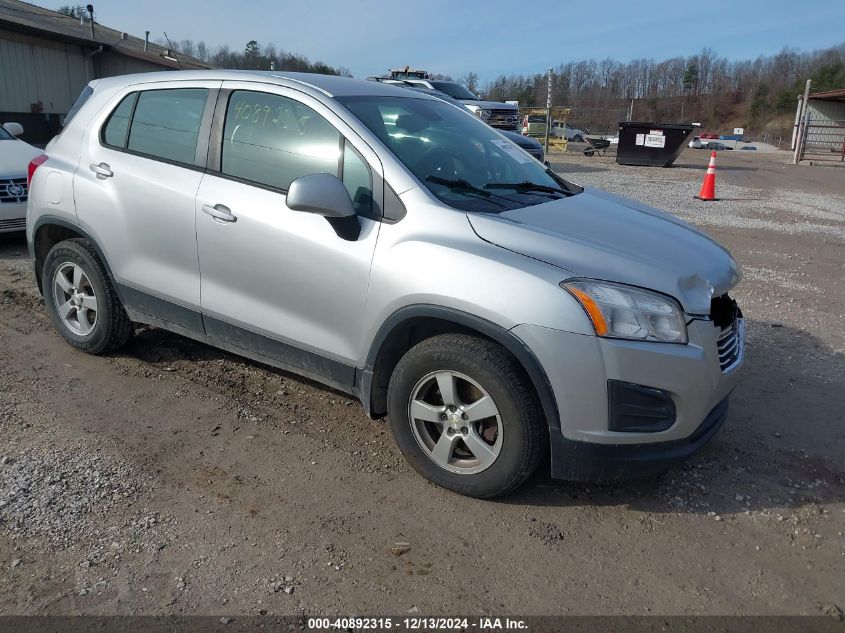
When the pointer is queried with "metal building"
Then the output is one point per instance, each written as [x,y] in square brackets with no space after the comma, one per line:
[820,128]
[46,58]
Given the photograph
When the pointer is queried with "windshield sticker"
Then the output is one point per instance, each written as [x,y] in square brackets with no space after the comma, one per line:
[513,151]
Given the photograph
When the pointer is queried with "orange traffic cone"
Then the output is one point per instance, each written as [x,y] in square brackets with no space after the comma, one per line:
[708,189]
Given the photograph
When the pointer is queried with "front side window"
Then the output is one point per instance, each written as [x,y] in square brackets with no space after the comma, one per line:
[166,123]
[461,160]
[273,140]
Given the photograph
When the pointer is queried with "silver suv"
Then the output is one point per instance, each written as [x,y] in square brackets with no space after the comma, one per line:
[394,247]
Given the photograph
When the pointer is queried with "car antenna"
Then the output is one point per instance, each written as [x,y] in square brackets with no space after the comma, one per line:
[171,51]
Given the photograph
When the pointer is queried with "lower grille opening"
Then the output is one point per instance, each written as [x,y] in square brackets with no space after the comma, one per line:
[726,315]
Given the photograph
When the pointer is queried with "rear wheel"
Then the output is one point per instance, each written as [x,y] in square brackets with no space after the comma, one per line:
[464,415]
[81,300]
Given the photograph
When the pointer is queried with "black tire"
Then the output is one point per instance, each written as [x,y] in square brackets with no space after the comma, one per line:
[524,434]
[112,326]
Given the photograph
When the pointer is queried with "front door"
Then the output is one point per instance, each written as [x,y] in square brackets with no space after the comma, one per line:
[287,285]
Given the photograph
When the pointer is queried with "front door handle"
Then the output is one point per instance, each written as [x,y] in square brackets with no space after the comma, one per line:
[102,170]
[219,212]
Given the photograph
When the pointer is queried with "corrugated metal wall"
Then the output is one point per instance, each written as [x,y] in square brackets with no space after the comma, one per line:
[822,111]
[38,69]
[825,132]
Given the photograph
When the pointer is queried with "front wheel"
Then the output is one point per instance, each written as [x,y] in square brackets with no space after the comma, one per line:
[464,415]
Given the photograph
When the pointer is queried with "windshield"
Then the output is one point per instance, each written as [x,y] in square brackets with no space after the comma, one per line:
[4,135]
[456,91]
[461,160]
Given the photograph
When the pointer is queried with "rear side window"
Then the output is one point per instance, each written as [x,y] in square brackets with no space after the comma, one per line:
[166,123]
[116,128]
[273,140]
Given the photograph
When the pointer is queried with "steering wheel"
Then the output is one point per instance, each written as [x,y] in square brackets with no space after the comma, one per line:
[439,161]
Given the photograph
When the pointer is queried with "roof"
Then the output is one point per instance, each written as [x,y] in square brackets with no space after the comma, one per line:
[30,18]
[829,95]
[328,85]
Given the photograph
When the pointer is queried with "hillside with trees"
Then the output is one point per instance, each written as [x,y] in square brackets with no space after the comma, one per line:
[254,56]
[758,94]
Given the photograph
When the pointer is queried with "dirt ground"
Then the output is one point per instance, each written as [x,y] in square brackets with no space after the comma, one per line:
[175,478]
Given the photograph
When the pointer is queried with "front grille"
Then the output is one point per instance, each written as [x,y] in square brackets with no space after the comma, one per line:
[730,344]
[503,114]
[13,190]
[18,224]
[503,118]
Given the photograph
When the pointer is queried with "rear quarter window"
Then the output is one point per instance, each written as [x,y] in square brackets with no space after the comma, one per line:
[117,126]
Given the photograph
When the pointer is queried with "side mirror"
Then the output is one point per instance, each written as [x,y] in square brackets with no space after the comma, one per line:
[322,194]
[15,129]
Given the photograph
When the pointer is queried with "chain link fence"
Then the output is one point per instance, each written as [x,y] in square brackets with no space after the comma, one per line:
[596,121]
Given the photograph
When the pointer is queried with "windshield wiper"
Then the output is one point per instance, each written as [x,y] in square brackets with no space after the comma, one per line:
[527,185]
[460,184]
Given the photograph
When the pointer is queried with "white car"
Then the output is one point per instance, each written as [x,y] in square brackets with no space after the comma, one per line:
[14,162]
[695,143]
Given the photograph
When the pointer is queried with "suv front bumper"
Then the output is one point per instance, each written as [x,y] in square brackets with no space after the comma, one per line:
[578,368]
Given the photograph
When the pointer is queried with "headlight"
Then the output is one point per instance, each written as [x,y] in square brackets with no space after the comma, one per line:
[620,311]
[480,112]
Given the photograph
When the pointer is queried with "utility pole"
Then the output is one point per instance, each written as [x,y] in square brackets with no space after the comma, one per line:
[548,111]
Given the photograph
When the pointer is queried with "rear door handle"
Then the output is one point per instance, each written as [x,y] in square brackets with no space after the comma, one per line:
[219,212]
[102,170]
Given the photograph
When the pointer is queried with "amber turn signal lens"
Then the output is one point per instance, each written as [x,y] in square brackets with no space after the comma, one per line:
[592,309]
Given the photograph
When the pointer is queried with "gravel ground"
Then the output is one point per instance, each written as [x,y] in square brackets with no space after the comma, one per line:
[762,208]
[174,478]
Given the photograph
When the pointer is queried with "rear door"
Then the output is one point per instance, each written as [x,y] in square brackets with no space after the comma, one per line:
[285,284]
[135,193]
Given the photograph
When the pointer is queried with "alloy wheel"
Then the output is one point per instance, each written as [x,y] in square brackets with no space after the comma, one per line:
[75,299]
[456,422]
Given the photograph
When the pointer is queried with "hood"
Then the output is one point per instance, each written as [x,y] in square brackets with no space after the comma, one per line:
[520,139]
[15,156]
[602,236]
[490,105]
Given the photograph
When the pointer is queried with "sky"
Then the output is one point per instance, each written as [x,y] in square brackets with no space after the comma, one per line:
[489,37]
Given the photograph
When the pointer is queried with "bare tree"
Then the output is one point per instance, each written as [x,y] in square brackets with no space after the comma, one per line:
[470,80]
